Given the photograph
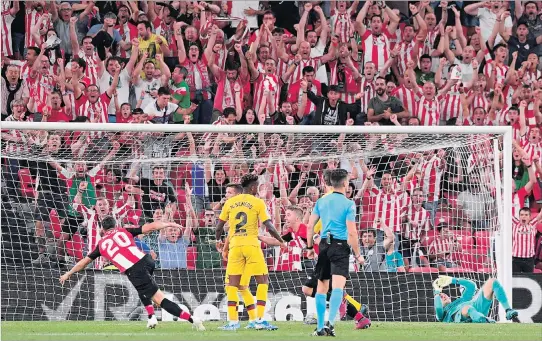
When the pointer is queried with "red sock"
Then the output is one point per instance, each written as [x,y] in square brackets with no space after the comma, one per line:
[150,310]
[358,316]
[186,316]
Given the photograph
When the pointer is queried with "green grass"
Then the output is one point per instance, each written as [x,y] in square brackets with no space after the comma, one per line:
[288,331]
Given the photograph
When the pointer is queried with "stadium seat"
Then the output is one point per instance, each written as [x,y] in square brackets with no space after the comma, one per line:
[74,247]
[191,256]
[485,270]
[537,271]
[27,183]
[458,270]
[56,228]
[431,234]
[423,269]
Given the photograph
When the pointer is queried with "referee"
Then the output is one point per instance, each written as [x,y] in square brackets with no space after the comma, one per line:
[339,234]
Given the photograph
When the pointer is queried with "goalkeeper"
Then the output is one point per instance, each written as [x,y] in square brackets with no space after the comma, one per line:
[467,308]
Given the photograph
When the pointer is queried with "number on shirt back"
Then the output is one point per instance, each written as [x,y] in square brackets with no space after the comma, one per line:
[240,226]
[111,246]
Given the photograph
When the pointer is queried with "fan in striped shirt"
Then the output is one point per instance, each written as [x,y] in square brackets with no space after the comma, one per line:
[441,248]
[524,240]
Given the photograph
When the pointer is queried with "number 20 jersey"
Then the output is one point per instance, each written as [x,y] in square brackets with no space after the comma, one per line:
[243,213]
[118,246]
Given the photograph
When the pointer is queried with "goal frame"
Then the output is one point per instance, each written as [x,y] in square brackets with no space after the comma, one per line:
[504,241]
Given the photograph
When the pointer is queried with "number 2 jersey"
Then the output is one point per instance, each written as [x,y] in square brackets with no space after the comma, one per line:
[243,213]
[118,246]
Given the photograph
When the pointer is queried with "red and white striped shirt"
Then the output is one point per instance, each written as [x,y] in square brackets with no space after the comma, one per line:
[290,259]
[451,104]
[518,201]
[351,86]
[93,224]
[418,221]
[531,76]
[341,25]
[441,245]
[91,72]
[7,20]
[96,112]
[127,32]
[407,51]
[407,97]
[532,149]
[31,19]
[387,208]
[271,82]
[376,48]
[508,93]
[480,100]
[368,92]
[427,111]
[298,74]
[118,246]
[430,180]
[429,43]
[20,147]
[501,71]
[37,88]
[523,238]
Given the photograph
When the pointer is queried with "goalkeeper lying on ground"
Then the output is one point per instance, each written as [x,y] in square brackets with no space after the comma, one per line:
[467,308]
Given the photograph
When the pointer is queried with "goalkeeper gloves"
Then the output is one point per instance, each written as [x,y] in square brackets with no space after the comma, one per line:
[442,282]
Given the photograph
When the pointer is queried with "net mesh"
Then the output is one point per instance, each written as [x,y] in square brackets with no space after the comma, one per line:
[430,207]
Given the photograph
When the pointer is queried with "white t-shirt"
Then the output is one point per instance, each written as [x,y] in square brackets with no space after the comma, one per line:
[149,86]
[466,70]
[123,88]
[318,51]
[160,115]
[488,20]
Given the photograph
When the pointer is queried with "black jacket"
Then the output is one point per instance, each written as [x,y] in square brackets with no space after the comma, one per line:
[322,104]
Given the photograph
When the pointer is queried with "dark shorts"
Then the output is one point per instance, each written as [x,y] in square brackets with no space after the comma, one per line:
[140,275]
[312,282]
[333,259]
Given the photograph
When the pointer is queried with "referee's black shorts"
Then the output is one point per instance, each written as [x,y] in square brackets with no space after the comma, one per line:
[333,259]
[140,275]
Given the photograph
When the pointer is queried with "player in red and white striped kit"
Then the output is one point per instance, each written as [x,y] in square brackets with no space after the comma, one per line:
[118,246]
[8,16]
[523,240]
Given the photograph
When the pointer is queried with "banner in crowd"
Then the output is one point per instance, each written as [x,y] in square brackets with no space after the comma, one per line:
[35,294]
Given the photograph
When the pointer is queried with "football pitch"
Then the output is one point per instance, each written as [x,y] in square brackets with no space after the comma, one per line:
[287,331]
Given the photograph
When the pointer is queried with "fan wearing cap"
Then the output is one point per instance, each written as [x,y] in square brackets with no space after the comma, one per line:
[331,110]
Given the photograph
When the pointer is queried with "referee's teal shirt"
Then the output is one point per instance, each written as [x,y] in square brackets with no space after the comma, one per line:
[334,211]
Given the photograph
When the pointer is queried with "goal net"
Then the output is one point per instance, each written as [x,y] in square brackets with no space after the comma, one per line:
[429,200]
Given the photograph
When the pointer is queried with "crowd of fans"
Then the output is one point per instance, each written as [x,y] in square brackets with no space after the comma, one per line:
[270,63]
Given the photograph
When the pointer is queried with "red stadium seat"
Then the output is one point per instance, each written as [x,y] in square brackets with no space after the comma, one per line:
[537,271]
[55,223]
[191,256]
[458,270]
[423,269]
[27,183]
[485,270]
[74,247]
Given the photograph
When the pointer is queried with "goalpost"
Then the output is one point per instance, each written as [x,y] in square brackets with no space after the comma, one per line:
[119,163]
